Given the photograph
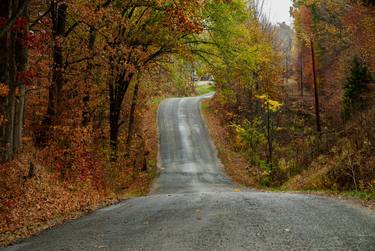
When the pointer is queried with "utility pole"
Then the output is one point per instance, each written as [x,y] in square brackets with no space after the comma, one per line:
[301,70]
[317,112]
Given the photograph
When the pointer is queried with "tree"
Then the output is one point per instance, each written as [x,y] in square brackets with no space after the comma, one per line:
[243,52]
[13,66]
[306,30]
[142,34]
[58,15]
[354,85]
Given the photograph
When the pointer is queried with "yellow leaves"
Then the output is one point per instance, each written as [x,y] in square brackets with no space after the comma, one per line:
[238,143]
[59,41]
[4,90]
[25,139]
[268,103]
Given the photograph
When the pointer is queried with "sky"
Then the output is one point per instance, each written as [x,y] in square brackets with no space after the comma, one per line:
[278,10]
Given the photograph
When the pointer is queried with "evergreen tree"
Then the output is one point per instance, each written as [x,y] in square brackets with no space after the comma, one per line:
[355,84]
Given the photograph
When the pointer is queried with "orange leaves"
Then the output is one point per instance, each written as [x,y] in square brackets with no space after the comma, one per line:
[4,90]
[29,206]
[69,153]
[87,11]
[2,119]
[181,20]
[359,25]
[304,23]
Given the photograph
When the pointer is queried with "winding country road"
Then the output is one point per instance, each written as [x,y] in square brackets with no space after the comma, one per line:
[194,206]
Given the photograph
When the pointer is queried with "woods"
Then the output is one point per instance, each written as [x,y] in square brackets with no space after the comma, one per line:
[81,81]
[302,119]
[78,81]
[109,43]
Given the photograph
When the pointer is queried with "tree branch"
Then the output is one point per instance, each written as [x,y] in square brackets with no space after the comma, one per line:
[40,18]
[11,21]
[71,29]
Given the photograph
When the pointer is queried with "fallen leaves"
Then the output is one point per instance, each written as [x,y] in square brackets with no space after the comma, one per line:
[31,205]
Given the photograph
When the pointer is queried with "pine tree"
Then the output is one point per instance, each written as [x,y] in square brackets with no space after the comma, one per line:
[355,84]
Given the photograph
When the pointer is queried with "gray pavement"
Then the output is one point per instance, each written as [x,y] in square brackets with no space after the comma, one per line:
[194,206]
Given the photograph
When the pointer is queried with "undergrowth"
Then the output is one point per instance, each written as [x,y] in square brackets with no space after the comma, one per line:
[340,162]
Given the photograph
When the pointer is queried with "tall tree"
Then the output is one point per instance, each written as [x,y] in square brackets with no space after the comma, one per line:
[306,31]
[58,13]
[143,32]
[13,65]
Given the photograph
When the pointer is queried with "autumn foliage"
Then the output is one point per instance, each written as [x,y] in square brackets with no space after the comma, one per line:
[320,78]
[81,80]
[77,116]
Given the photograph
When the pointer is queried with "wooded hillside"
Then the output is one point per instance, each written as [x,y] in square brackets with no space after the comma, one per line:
[299,104]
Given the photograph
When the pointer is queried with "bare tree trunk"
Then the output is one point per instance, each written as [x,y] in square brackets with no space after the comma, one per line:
[132,118]
[316,93]
[13,60]
[269,134]
[301,71]
[22,61]
[86,98]
[19,118]
[117,93]
[54,99]
[9,131]
[5,121]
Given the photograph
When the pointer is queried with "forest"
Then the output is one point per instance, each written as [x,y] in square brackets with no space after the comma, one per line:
[302,115]
[81,82]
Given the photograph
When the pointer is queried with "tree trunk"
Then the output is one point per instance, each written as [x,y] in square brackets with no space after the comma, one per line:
[117,93]
[316,93]
[86,98]
[132,117]
[301,71]
[54,98]
[13,60]
[22,61]
[269,133]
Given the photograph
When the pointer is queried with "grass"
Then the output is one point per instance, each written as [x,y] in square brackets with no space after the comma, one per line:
[361,195]
[205,89]
[204,106]
[366,196]
[157,100]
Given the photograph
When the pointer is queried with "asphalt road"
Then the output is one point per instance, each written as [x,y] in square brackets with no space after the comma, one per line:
[194,206]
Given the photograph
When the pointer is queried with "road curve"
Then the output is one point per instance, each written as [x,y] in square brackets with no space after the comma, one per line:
[193,206]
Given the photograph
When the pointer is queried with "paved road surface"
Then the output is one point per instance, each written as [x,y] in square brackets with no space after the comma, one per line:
[195,207]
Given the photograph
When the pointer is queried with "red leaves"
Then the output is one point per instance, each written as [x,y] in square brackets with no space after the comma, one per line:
[38,42]
[19,25]
[25,77]
[3,21]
